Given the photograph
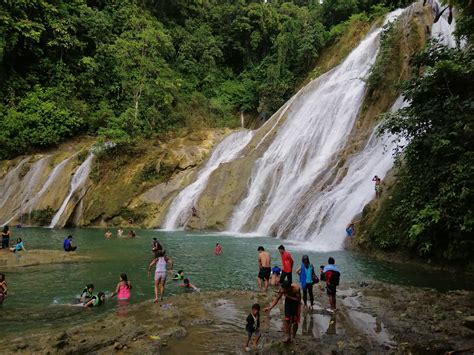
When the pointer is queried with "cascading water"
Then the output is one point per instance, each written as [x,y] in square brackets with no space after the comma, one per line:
[227,150]
[77,183]
[313,133]
[7,184]
[27,188]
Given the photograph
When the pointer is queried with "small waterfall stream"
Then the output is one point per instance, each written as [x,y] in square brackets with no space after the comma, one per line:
[77,183]
[181,208]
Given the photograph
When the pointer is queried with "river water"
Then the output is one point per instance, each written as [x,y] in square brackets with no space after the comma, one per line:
[38,295]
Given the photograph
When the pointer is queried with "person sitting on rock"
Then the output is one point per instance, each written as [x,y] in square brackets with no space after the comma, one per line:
[68,244]
[19,246]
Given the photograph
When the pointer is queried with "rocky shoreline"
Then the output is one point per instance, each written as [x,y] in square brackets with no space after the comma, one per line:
[372,318]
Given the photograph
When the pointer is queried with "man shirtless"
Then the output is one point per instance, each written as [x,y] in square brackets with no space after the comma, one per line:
[292,293]
[264,268]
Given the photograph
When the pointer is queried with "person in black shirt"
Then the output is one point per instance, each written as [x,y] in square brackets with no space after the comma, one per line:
[253,326]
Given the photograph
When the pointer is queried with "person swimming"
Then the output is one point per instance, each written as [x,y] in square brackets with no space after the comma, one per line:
[96,301]
[187,284]
[179,275]
[86,293]
[122,291]
[218,249]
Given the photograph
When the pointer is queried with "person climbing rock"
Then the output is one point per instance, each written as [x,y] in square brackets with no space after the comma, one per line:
[292,295]
[350,230]
[378,186]
[264,269]
[194,212]
[287,265]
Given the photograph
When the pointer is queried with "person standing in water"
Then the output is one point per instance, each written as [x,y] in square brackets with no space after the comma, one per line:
[264,269]
[275,280]
[287,265]
[108,234]
[218,249]
[156,246]
[307,279]
[253,326]
[292,295]
[122,291]
[161,261]
[332,276]
[119,232]
[6,238]
[68,245]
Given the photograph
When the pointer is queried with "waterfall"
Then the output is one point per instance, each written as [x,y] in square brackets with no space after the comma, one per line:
[78,182]
[8,185]
[181,207]
[25,189]
[307,142]
[326,214]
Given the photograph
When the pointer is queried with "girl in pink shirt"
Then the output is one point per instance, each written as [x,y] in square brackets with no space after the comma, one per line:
[123,288]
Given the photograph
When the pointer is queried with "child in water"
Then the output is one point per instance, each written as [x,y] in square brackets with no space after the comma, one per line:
[187,284]
[179,275]
[86,293]
[96,301]
[253,326]
[3,288]
[123,288]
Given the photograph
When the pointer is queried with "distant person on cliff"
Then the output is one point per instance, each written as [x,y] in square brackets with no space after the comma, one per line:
[307,279]
[194,212]
[378,186]
[350,230]
[332,276]
[287,265]
[218,249]
[108,234]
[161,261]
[3,288]
[19,246]
[253,327]
[96,301]
[264,269]
[292,293]
[275,280]
[120,232]
[156,246]
[6,234]
[68,244]
[122,291]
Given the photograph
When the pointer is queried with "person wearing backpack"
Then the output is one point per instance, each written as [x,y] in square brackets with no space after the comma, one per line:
[307,279]
[332,276]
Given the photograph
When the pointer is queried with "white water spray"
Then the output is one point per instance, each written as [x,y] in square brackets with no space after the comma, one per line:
[227,150]
[78,181]
[313,133]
